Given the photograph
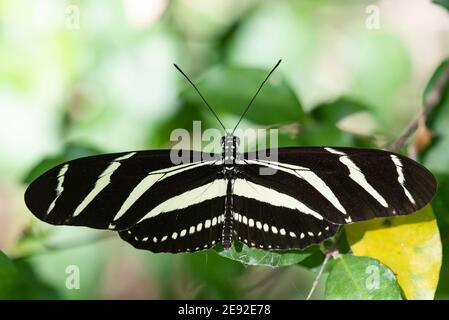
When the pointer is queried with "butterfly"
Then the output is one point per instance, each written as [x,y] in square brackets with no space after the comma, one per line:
[162,206]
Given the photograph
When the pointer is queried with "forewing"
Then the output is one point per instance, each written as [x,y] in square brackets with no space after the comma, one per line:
[115,191]
[343,185]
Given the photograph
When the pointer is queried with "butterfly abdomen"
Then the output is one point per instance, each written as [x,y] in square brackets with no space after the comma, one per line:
[228,220]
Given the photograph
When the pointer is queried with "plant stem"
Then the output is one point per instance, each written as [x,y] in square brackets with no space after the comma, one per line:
[318,277]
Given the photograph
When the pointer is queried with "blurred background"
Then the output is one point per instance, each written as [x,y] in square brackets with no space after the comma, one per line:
[85,77]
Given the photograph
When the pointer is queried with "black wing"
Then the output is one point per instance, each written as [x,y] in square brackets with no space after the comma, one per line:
[116,191]
[310,191]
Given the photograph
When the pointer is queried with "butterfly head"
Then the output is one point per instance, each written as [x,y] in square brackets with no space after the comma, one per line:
[230,141]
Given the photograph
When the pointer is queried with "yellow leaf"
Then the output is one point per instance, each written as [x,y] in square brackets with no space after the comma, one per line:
[409,245]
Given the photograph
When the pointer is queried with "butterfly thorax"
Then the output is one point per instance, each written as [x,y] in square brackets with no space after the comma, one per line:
[230,146]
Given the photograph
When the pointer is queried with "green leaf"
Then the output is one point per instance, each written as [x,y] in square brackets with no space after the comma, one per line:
[182,118]
[36,287]
[361,278]
[257,257]
[229,89]
[18,281]
[326,118]
[435,76]
[332,112]
[314,261]
[71,151]
[436,157]
[11,283]
[214,275]
[444,3]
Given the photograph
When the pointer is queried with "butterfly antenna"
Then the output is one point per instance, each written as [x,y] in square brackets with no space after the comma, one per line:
[255,95]
[207,104]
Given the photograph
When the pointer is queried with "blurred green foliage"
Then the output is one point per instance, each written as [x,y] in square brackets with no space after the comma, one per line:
[19,281]
[444,3]
[85,77]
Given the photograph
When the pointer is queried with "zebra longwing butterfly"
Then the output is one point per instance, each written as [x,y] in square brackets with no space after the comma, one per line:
[164,207]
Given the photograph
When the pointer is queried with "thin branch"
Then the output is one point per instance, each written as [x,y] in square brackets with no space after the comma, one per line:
[318,277]
[432,99]
[330,252]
